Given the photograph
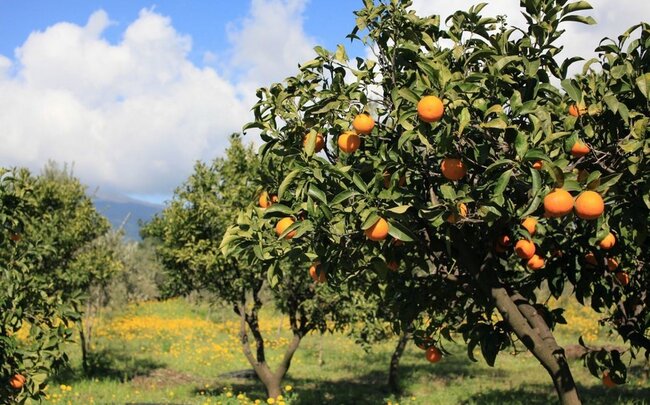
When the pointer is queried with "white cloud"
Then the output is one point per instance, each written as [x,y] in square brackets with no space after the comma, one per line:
[270,41]
[134,116]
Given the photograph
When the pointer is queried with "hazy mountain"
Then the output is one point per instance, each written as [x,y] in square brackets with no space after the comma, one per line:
[119,209]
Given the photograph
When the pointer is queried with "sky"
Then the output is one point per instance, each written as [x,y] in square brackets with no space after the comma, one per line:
[133,92]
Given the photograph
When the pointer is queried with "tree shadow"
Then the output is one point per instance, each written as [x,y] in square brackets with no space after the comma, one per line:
[108,364]
[533,394]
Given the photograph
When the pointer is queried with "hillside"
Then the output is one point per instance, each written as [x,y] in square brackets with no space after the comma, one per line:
[117,210]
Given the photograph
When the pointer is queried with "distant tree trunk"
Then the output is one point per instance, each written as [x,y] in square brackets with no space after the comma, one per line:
[320,351]
[84,347]
[393,369]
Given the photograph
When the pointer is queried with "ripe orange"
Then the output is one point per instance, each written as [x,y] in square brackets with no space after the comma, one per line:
[590,258]
[558,203]
[17,381]
[503,240]
[378,231]
[386,176]
[433,354]
[623,278]
[535,263]
[538,165]
[15,237]
[393,265]
[589,205]
[530,224]
[315,275]
[607,380]
[363,124]
[266,201]
[453,169]
[525,249]
[320,142]
[349,142]
[462,213]
[608,242]
[579,149]
[430,109]
[577,111]
[612,264]
[282,225]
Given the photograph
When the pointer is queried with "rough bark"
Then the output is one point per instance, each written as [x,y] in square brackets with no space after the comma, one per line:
[249,321]
[393,369]
[529,327]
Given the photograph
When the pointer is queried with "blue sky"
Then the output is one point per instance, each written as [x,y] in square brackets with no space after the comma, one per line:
[133,92]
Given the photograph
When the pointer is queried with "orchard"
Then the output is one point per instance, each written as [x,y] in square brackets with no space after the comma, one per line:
[460,172]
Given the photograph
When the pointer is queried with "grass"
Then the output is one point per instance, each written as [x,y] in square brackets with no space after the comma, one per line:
[174,352]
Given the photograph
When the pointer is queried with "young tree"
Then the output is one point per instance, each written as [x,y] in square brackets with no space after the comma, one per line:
[453,153]
[189,232]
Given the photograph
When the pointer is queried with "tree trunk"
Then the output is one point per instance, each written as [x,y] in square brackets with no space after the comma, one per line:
[528,325]
[84,350]
[393,369]
[320,351]
[536,336]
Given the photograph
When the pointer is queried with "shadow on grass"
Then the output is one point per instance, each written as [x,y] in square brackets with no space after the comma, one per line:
[108,364]
[542,395]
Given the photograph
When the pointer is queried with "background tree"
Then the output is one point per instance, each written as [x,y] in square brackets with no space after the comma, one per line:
[189,232]
[461,160]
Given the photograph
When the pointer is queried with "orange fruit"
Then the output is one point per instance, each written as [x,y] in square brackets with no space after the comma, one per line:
[363,124]
[17,381]
[504,240]
[607,380]
[15,237]
[607,242]
[579,149]
[453,169]
[386,176]
[265,201]
[462,213]
[349,142]
[535,263]
[320,142]
[315,275]
[530,224]
[612,264]
[393,265]
[589,205]
[558,203]
[282,225]
[590,258]
[576,111]
[433,354]
[430,109]
[623,278]
[378,231]
[538,165]
[525,248]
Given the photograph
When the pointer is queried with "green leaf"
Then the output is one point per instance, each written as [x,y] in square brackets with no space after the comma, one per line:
[358,181]
[399,231]
[342,196]
[408,94]
[579,18]
[573,92]
[373,217]
[497,123]
[317,193]
[521,144]
[463,120]
[643,83]
[400,209]
[276,209]
[502,62]
[577,6]
[285,183]
[502,183]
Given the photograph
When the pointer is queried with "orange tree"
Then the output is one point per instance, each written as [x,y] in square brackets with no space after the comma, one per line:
[47,221]
[27,300]
[453,156]
[188,234]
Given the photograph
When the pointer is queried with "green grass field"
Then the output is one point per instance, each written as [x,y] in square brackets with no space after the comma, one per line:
[175,352]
